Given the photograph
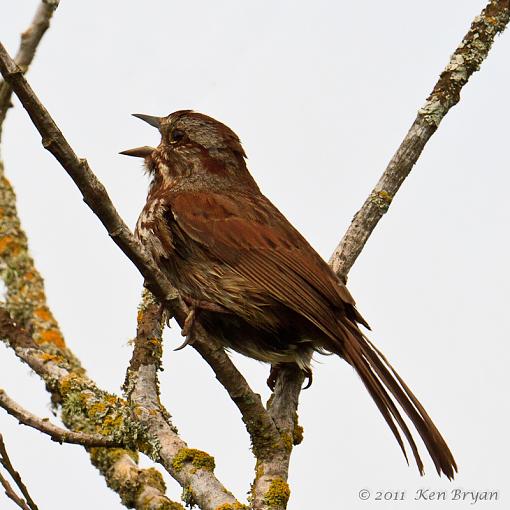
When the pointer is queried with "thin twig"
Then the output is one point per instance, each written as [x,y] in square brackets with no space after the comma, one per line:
[135,486]
[466,59]
[9,492]
[30,40]
[56,433]
[28,504]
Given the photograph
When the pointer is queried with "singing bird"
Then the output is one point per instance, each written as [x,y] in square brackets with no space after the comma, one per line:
[250,277]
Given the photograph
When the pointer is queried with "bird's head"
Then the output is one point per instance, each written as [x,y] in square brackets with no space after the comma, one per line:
[193,146]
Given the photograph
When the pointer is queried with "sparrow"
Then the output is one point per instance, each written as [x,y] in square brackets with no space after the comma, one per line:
[250,278]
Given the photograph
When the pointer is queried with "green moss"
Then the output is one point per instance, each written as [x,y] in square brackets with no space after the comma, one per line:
[132,483]
[168,505]
[298,434]
[259,470]
[287,440]
[187,497]
[232,506]
[197,458]
[104,458]
[278,494]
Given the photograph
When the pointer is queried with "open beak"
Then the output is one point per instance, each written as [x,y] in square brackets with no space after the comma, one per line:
[139,152]
[143,152]
[150,119]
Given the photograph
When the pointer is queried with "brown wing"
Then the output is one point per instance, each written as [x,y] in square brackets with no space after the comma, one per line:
[248,234]
[255,240]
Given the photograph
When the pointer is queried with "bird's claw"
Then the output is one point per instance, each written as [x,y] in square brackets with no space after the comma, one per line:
[187,328]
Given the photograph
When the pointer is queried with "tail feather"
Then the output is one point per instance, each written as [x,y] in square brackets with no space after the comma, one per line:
[385,387]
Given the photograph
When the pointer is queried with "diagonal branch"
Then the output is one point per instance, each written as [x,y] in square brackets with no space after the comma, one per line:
[9,492]
[96,197]
[56,433]
[466,59]
[88,409]
[30,40]
[47,354]
[28,503]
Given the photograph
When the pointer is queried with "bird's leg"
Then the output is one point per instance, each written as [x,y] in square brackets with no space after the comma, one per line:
[189,321]
[273,376]
[194,307]
[188,327]
[309,376]
[275,372]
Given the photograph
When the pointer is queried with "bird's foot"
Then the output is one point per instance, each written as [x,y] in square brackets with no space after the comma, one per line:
[273,376]
[308,376]
[275,373]
[187,328]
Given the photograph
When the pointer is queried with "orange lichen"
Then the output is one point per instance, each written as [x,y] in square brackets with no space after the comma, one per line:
[43,313]
[9,244]
[29,275]
[52,336]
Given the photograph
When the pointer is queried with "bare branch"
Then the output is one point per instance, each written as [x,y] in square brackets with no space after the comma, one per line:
[30,40]
[9,492]
[93,192]
[56,433]
[463,63]
[46,353]
[28,504]
[466,59]
[96,197]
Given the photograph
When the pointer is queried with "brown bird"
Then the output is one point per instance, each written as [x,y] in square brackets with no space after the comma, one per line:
[250,277]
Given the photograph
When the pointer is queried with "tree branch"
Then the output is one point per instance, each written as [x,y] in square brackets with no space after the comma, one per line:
[446,93]
[466,59]
[464,62]
[46,351]
[86,408]
[28,504]
[30,40]
[193,469]
[56,433]
[96,197]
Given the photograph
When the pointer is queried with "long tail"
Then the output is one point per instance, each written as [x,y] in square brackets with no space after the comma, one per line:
[387,389]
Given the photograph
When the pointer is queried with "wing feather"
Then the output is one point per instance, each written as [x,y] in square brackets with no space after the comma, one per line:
[264,248]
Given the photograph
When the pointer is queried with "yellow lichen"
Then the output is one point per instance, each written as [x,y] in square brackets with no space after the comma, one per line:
[46,357]
[298,434]
[278,494]
[197,458]
[385,196]
[232,506]
[259,470]
[288,441]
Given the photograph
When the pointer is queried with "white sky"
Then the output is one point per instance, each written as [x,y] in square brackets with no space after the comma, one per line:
[321,93]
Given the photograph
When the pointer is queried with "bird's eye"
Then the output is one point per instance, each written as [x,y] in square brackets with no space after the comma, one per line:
[176,135]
